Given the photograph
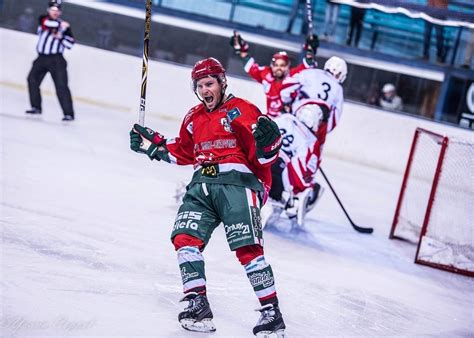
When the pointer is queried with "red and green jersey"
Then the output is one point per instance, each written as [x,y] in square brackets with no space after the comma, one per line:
[220,145]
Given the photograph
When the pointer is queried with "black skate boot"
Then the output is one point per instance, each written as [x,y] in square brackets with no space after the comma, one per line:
[314,197]
[270,321]
[33,111]
[197,316]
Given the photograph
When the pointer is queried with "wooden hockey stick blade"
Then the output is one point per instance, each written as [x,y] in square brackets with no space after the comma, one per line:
[356,227]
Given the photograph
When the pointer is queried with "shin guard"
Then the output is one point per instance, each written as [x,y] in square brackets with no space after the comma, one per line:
[260,275]
[191,265]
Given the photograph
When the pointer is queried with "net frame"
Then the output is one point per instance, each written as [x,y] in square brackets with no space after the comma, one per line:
[443,142]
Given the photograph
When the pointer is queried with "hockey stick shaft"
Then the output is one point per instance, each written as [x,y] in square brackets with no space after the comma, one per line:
[355,226]
[146,43]
[309,16]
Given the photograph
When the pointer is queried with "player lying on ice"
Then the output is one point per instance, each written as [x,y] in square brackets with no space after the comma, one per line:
[232,147]
[294,189]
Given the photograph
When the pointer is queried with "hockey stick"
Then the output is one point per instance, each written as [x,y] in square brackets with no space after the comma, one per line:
[309,17]
[146,42]
[355,226]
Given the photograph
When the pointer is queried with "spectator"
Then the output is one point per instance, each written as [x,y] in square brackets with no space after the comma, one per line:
[373,98]
[104,36]
[389,98]
[469,50]
[440,54]
[330,19]
[26,21]
[356,22]
[294,13]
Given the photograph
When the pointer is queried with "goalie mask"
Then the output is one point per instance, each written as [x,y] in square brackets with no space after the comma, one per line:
[311,115]
[337,67]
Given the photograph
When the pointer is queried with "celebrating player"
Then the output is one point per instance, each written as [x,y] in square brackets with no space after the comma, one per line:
[232,147]
[271,77]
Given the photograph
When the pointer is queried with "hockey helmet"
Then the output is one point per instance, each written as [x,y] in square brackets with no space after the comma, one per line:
[281,56]
[55,3]
[337,67]
[311,115]
[207,67]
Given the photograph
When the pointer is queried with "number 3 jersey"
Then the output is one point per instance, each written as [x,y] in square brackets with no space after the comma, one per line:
[221,147]
[315,86]
[301,152]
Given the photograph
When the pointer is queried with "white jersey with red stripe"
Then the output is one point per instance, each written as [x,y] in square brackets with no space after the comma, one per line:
[315,86]
[300,151]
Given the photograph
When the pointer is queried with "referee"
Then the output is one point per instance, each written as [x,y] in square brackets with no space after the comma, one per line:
[54,35]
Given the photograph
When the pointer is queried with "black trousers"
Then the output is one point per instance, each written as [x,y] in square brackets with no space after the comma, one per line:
[56,65]
[356,22]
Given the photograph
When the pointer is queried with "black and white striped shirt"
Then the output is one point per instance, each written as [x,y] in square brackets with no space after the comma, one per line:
[49,43]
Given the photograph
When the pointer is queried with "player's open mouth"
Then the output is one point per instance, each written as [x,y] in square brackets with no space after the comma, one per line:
[208,99]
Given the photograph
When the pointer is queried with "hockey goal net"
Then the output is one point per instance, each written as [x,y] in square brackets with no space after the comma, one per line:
[435,206]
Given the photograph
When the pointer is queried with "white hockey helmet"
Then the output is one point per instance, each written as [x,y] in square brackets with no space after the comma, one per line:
[337,67]
[311,115]
[388,87]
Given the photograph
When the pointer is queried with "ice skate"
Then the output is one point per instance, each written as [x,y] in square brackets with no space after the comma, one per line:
[197,316]
[270,322]
[314,197]
[270,212]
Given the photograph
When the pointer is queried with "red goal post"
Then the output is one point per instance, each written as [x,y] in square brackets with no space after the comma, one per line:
[435,208]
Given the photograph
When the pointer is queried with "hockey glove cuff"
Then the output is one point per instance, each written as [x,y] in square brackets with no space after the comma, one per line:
[145,140]
[239,45]
[267,138]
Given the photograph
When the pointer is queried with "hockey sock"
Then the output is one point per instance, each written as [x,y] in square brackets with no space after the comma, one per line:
[260,275]
[191,265]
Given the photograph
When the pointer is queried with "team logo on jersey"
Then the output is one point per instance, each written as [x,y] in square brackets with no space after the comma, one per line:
[226,124]
[189,127]
[233,114]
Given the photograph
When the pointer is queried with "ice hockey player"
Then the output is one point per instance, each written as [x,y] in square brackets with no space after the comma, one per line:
[271,77]
[294,172]
[232,147]
[322,87]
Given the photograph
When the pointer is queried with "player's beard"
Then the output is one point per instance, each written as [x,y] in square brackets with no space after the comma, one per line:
[279,75]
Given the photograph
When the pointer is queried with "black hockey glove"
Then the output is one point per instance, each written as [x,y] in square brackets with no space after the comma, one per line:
[146,141]
[267,137]
[238,44]
[311,44]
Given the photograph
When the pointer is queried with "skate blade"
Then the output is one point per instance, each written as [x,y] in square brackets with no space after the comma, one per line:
[270,334]
[205,325]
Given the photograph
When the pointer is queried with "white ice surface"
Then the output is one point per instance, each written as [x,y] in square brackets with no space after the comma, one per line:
[85,248]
